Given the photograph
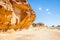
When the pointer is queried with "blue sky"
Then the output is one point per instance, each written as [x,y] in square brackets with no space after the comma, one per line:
[47,11]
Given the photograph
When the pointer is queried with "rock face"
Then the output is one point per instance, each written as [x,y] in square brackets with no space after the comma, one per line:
[15,14]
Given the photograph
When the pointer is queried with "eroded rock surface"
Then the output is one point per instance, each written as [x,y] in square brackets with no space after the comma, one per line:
[15,14]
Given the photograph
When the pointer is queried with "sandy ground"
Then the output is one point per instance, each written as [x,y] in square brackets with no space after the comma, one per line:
[32,34]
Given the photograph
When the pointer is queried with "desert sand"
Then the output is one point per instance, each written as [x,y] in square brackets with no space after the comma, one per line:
[32,34]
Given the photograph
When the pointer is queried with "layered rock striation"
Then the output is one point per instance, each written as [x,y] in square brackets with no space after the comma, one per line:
[15,14]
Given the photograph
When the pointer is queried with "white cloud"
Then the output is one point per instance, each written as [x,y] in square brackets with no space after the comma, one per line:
[47,10]
[40,9]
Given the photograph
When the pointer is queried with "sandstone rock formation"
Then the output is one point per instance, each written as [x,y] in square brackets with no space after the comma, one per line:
[15,14]
[41,25]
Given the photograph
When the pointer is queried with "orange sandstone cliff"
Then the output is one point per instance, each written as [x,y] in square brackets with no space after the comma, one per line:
[15,14]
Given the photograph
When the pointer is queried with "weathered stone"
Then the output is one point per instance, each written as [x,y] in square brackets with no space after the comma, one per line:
[15,14]
[41,25]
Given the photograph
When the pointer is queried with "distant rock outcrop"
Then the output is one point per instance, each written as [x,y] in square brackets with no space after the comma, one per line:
[58,25]
[15,14]
[38,24]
